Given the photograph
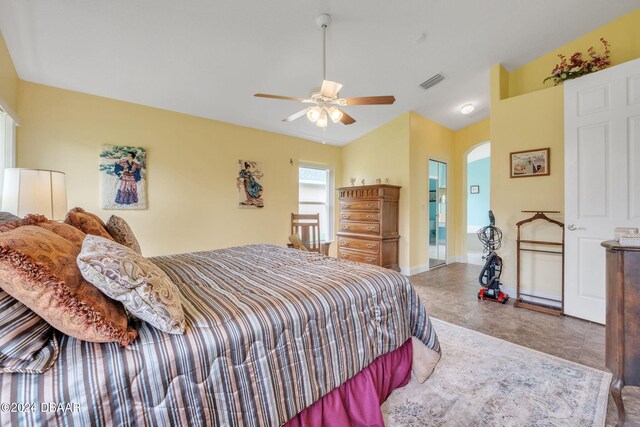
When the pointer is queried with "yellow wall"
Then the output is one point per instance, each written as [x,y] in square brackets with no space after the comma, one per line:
[384,153]
[400,150]
[191,167]
[623,34]
[8,80]
[429,140]
[464,140]
[534,120]
[524,117]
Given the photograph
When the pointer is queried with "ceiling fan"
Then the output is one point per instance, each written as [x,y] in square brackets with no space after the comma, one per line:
[327,100]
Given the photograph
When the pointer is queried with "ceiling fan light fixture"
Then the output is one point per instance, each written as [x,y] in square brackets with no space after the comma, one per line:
[322,120]
[335,114]
[313,114]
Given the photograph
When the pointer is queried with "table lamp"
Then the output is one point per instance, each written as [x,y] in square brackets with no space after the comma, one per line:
[34,191]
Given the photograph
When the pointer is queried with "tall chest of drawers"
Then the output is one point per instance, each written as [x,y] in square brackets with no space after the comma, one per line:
[368,229]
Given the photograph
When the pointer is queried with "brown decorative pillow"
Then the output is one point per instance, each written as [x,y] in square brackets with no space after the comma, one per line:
[30,219]
[38,268]
[92,215]
[122,233]
[67,231]
[87,223]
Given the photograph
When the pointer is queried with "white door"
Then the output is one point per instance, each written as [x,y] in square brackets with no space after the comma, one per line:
[602,178]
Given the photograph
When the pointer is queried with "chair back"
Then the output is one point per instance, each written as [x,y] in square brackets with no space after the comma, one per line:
[307,226]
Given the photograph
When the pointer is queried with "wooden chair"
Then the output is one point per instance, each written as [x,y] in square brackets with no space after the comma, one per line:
[307,226]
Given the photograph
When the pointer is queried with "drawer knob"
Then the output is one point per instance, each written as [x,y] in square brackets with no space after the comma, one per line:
[370,245]
[346,216]
[370,259]
[370,228]
[345,255]
[346,205]
[344,243]
[345,227]
[370,205]
[370,216]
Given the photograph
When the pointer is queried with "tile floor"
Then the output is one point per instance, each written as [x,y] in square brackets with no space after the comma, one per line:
[450,294]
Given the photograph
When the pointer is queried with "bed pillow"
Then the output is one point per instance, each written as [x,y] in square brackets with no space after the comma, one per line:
[92,215]
[67,231]
[27,343]
[87,223]
[19,222]
[122,233]
[38,268]
[124,275]
[7,216]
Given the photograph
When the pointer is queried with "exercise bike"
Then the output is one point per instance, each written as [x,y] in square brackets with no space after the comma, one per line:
[491,239]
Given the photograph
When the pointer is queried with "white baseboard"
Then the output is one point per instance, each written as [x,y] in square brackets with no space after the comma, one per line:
[512,294]
[425,267]
[415,270]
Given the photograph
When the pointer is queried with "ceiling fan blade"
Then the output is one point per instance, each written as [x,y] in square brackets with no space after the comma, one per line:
[295,116]
[347,119]
[286,98]
[370,100]
[330,89]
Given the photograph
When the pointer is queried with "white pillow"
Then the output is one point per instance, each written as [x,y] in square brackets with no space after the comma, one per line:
[126,276]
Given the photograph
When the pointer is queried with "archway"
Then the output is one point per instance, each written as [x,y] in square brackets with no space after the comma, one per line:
[478,191]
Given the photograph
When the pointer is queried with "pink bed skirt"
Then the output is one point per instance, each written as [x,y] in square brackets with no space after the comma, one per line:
[357,402]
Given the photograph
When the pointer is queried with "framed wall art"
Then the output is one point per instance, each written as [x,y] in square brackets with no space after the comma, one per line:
[123,177]
[530,163]
[249,184]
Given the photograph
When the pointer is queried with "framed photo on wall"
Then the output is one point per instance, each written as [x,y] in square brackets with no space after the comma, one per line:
[530,163]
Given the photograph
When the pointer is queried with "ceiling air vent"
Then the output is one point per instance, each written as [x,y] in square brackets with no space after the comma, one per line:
[432,81]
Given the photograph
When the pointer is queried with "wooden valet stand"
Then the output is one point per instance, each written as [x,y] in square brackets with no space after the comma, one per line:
[530,246]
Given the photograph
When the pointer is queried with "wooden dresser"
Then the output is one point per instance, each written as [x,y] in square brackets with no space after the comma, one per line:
[368,230]
[623,319]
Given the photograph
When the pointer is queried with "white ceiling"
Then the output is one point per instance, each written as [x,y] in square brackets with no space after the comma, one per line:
[208,58]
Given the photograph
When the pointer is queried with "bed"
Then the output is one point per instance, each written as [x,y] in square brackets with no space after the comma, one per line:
[270,331]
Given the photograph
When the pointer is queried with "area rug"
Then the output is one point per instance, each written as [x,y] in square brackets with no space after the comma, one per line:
[486,381]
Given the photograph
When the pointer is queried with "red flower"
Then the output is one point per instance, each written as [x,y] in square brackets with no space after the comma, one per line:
[576,66]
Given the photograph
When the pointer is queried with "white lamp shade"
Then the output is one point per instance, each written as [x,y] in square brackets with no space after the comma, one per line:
[34,191]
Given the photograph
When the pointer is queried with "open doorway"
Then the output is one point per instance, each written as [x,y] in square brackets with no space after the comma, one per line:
[437,213]
[478,198]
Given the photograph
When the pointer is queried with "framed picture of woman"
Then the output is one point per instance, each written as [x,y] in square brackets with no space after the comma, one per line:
[123,177]
[249,184]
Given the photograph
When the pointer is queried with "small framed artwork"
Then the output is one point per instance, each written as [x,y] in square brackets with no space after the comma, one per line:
[474,189]
[249,184]
[530,163]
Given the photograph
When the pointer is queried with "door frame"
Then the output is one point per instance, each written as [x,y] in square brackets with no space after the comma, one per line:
[465,197]
[446,255]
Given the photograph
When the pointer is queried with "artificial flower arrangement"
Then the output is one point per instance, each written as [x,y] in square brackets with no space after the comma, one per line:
[576,66]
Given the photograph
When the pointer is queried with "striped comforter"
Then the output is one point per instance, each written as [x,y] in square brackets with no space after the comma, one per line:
[269,331]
